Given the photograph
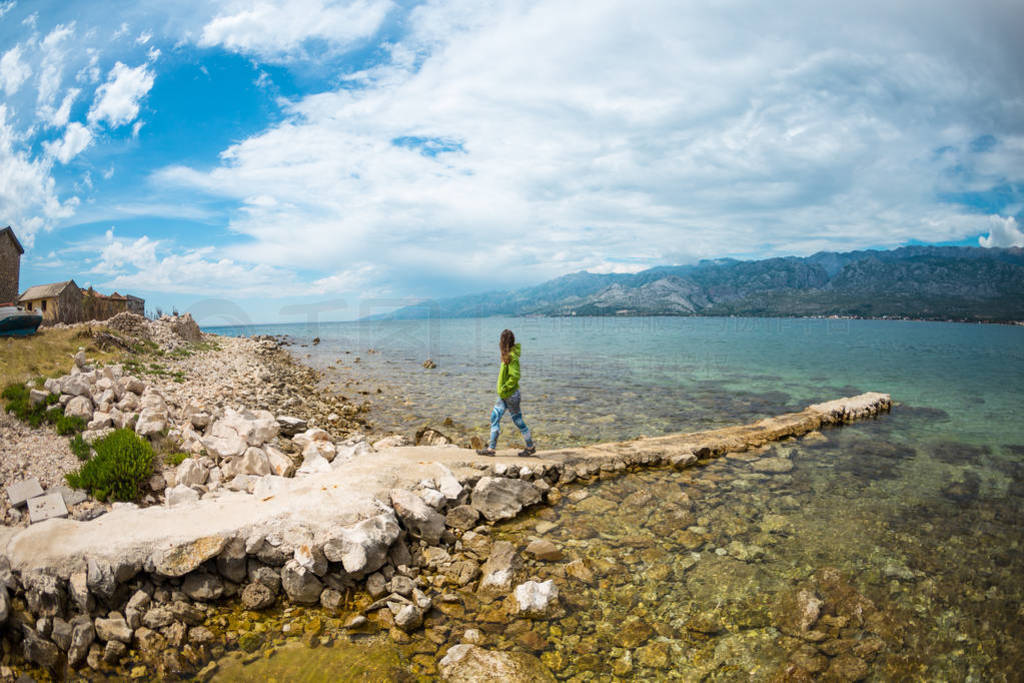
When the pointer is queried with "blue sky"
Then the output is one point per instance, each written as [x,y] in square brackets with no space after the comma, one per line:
[269,161]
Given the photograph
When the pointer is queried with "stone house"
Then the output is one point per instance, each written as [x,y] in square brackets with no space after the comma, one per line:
[10,265]
[102,306]
[60,302]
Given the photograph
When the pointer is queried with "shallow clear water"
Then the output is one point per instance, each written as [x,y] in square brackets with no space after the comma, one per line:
[908,528]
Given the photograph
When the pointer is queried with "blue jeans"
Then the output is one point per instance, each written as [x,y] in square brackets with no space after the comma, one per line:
[511,404]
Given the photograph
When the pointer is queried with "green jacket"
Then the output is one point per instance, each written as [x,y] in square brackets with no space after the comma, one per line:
[508,376]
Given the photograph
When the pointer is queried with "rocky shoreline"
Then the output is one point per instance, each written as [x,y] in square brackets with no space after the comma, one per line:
[388,537]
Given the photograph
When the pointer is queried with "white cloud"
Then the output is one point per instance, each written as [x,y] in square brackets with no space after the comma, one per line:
[13,71]
[52,69]
[276,29]
[152,265]
[117,100]
[63,112]
[6,7]
[28,196]
[144,38]
[541,139]
[1004,232]
[76,138]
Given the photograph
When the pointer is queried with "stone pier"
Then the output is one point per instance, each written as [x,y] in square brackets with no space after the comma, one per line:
[333,529]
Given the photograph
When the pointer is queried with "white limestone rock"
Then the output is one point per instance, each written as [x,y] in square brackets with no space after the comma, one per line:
[190,473]
[324,449]
[180,495]
[536,599]
[79,406]
[362,548]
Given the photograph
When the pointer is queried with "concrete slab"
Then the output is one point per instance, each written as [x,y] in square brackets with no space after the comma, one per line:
[20,491]
[72,496]
[46,507]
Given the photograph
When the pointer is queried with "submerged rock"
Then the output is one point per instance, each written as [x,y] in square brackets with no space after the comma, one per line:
[464,663]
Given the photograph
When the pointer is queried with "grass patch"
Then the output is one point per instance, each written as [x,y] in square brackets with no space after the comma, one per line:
[47,353]
[123,461]
[80,448]
[19,405]
[67,425]
[175,458]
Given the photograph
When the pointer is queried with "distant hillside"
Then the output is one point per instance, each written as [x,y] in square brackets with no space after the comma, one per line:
[935,283]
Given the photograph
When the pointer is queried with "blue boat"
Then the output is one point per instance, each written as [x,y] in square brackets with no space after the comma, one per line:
[15,321]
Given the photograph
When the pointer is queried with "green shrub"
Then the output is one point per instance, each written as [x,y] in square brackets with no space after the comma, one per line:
[80,448]
[122,462]
[175,458]
[67,425]
[15,392]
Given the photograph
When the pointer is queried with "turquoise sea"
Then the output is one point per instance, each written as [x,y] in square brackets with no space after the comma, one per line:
[918,514]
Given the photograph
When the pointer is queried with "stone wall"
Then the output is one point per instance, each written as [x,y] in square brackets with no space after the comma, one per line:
[10,270]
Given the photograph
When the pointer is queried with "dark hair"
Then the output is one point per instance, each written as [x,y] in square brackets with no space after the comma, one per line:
[505,344]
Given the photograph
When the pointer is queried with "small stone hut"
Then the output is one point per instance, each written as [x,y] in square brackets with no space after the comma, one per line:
[10,265]
[102,306]
[60,302]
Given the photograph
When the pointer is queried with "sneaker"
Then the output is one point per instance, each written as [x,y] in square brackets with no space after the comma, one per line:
[529,450]
[485,451]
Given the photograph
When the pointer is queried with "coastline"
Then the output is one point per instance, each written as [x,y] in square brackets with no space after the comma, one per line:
[318,537]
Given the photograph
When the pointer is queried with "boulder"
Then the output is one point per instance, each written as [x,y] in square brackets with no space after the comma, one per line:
[180,495]
[257,596]
[427,436]
[467,663]
[544,550]
[231,563]
[45,594]
[5,605]
[39,650]
[203,586]
[134,385]
[83,633]
[314,464]
[290,426]
[301,584]
[499,568]
[100,579]
[535,599]
[409,617]
[499,498]
[280,464]
[190,473]
[255,427]
[79,406]
[254,461]
[76,385]
[311,557]
[113,628]
[448,484]
[37,396]
[309,436]
[419,518]
[363,547]
[178,560]
[323,449]
[151,422]
[433,498]
[462,517]
[393,441]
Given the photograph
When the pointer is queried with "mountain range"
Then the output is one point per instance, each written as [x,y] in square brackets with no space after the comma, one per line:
[922,282]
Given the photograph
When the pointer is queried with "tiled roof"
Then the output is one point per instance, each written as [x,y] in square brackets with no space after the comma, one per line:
[44,291]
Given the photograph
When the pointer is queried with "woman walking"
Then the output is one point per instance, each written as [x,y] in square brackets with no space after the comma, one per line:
[508,395]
